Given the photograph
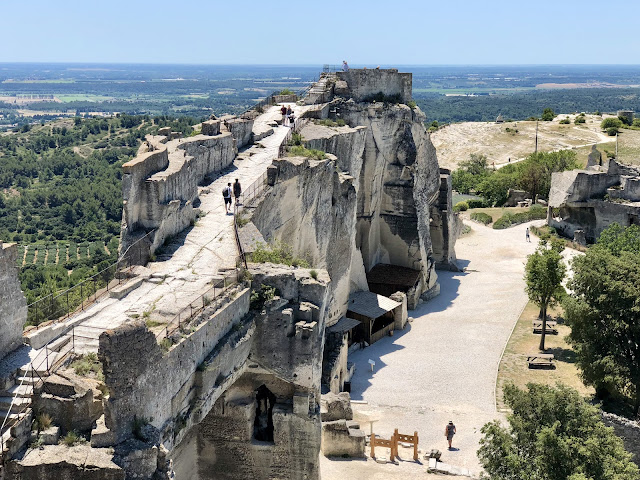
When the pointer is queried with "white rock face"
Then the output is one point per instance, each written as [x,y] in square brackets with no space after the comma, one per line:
[368,203]
[13,306]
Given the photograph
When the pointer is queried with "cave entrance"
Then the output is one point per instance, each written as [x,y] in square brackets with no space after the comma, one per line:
[263,423]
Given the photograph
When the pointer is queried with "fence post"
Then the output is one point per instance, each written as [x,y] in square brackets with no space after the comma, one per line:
[394,445]
[373,446]
[415,446]
[73,339]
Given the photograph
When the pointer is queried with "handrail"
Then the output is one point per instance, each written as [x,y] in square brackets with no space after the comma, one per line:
[52,297]
[203,300]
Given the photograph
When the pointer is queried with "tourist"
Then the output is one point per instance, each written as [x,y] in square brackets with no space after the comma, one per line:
[345,67]
[237,190]
[527,234]
[226,194]
[283,110]
[290,116]
[449,432]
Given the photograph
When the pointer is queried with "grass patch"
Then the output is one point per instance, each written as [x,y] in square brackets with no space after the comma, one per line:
[88,365]
[513,366]
[300,151]
[241,220]
[314,274]
[42,422]
[277,252]
[73,438]
[327,122]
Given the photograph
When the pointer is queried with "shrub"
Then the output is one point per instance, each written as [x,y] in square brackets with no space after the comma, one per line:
[535,212]
[260,296]
[412,105]
[42,422]
[296,139]
[608,123]
[137,425]
[87,364]
[461,206]
[612,131]
[548,114]
[165,344]
[482,217]
[286,91]
[314,274]
[327,122]
[580,119]
[73,438]
[477,203]
[565,121]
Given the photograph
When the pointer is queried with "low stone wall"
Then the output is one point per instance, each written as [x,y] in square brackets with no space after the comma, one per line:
[161,387]
[363,84]
[285,98]
[241,129]
[13,305]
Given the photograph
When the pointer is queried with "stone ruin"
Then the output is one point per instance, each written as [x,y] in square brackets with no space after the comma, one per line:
[237,390]
[13,306]
[582,203]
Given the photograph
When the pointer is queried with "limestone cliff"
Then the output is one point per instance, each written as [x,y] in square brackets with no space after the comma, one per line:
[367,203]
[13,306]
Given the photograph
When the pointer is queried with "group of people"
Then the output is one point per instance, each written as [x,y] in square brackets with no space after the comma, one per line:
[288,117]
[230,190]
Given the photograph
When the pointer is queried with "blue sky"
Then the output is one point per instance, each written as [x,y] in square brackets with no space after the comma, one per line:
[303,32]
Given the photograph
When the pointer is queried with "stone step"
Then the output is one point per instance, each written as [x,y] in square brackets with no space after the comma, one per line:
[22,391]
[40,365]
[18,404]
[27,380]
[57,344]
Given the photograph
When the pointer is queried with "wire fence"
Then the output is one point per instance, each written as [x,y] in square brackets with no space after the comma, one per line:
[67,303]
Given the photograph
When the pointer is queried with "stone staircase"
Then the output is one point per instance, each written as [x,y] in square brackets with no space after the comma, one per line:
[20,374]
[321,90]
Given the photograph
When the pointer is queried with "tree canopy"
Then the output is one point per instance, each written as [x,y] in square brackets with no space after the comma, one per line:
[603,313]
[553,434]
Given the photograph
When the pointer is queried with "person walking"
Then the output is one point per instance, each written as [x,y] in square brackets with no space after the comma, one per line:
[527,234]
[226,194]
[345,66]
[449,432]
[283,110]
[237,190]
[290,116]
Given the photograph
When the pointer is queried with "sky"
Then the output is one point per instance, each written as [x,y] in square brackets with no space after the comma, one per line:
[373,32]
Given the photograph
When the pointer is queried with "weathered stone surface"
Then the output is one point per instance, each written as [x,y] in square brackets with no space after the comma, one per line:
[13,305]
[65,463]
[341,439]
[336,406]
[364,84]
[516,196]
[595,157]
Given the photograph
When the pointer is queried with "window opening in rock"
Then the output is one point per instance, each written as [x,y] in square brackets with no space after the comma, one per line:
[263,424]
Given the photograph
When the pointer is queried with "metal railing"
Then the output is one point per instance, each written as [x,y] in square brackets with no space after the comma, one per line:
[62,305]
[298,123]
[197,305]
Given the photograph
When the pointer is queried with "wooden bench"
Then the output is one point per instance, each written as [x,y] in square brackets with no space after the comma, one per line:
[552,327]
[541,360]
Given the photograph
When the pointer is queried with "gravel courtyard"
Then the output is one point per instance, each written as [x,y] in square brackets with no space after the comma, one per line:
[443,365]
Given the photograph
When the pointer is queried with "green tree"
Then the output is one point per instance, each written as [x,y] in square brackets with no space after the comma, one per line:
[603,313]
[608,123]
[553,434]
[548,114]
[470,173]
[544,273]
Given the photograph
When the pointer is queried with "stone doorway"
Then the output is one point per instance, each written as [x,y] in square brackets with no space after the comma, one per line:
[263,423]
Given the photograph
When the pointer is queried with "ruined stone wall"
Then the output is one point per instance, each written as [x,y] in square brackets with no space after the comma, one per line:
[592,199]
[160,185]
[13,305]
[148,383]
[362,84]
[444,225]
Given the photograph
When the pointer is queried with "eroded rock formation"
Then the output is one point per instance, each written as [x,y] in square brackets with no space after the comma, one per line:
[13,306]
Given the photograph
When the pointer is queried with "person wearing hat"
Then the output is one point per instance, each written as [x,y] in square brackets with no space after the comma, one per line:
[449,432]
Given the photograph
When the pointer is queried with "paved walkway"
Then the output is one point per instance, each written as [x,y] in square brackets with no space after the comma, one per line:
[443,366]
[195,257]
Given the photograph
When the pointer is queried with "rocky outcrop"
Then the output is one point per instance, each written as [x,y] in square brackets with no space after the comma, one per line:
[13,305]
[362,85]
